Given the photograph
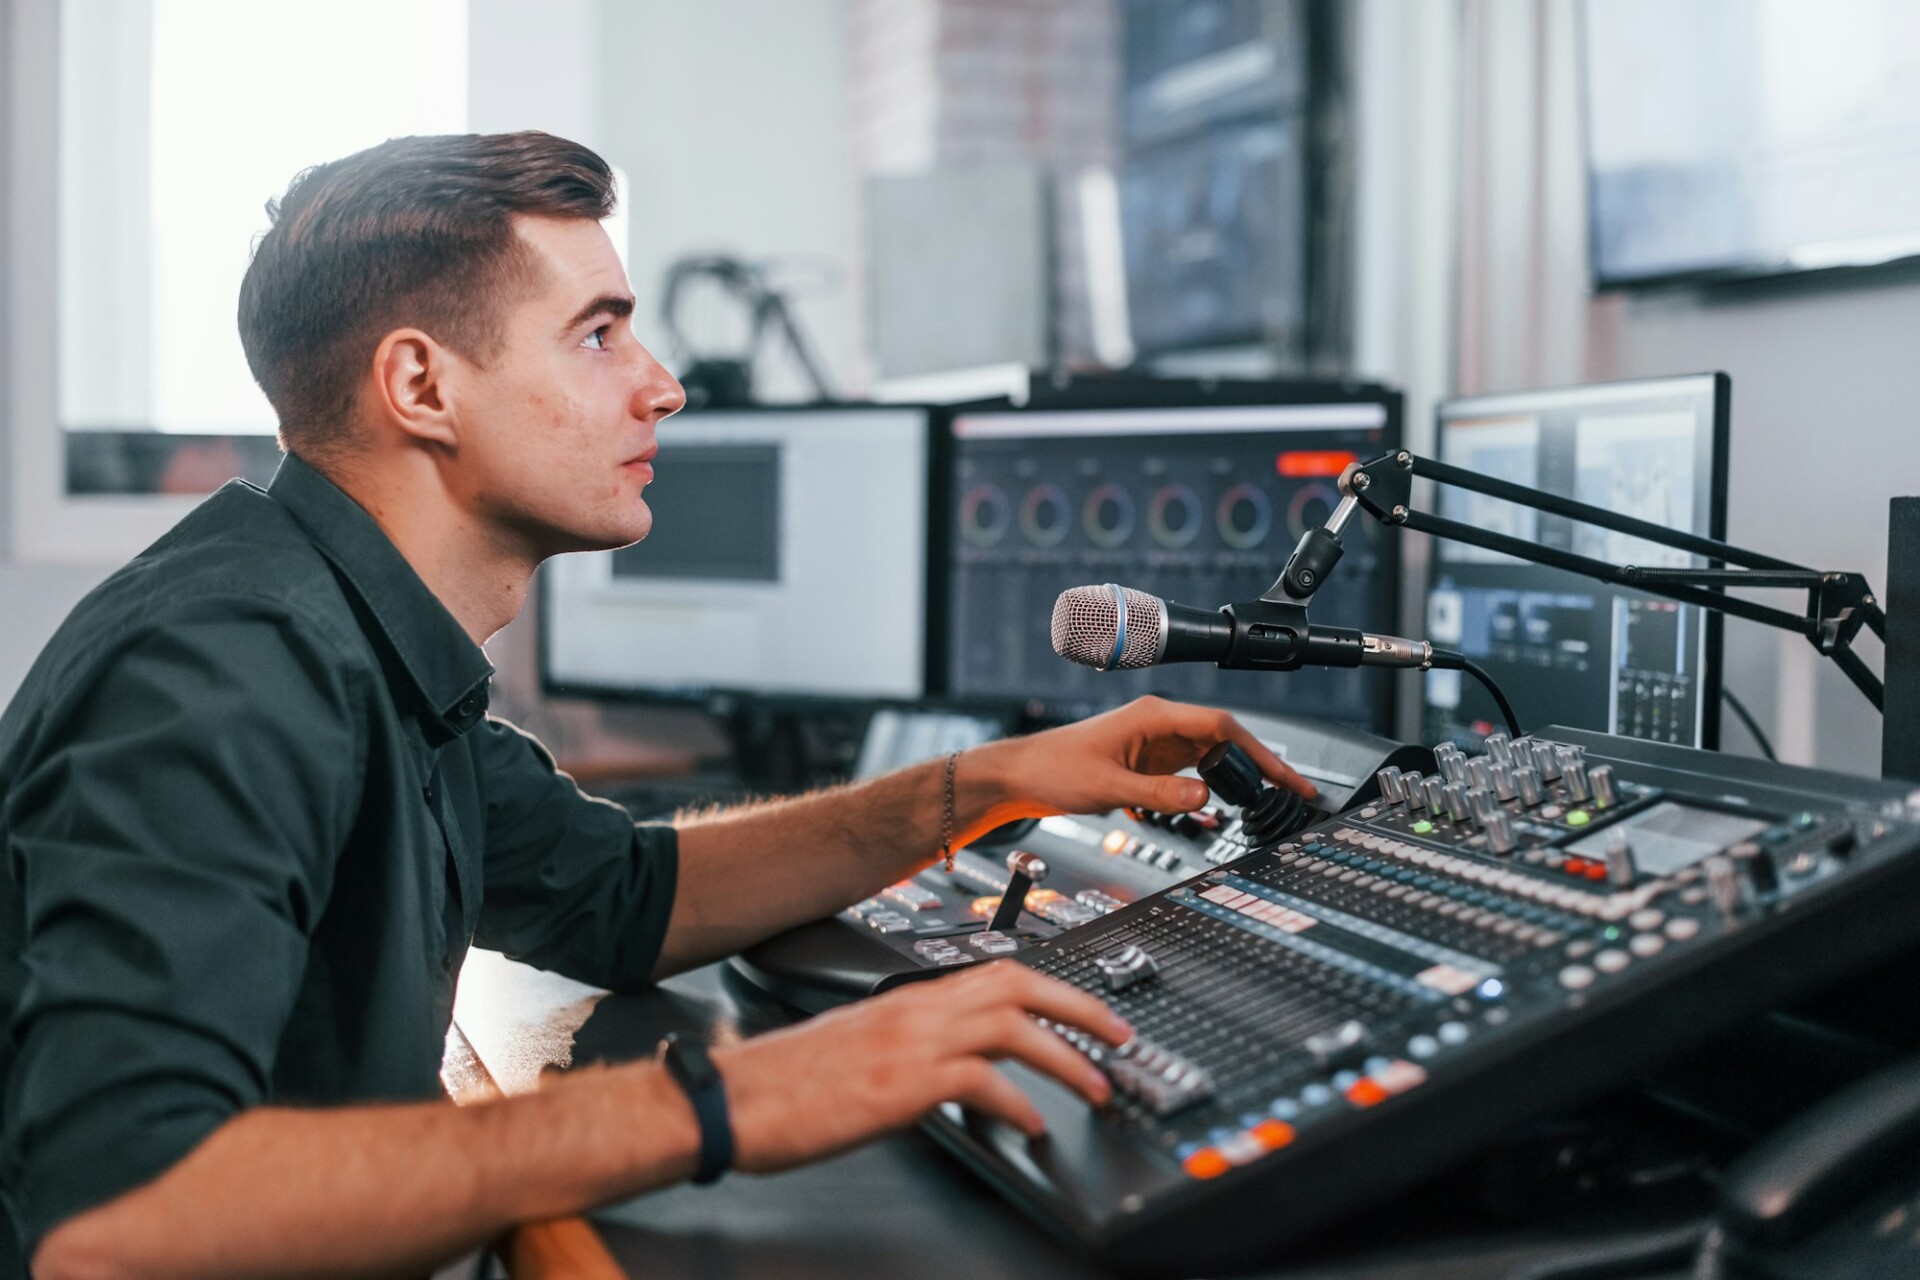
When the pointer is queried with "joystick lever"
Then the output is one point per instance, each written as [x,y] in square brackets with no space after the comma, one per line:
[1024,870]
[1268,814]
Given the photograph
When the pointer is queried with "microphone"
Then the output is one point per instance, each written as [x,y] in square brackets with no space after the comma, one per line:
[1111,627]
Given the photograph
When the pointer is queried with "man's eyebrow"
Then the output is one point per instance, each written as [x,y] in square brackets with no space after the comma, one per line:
[615,306]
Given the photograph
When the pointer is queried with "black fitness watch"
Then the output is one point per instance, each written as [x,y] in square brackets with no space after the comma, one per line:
[687,1062]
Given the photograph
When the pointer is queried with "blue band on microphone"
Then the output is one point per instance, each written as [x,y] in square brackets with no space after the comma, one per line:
[1120,625]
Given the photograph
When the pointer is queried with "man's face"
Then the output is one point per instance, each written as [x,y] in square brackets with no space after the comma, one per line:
[557,430]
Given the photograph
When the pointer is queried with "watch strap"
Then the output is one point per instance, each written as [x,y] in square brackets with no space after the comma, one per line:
[692,1069]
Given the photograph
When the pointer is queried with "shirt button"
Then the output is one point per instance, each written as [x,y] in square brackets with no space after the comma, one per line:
[468,706]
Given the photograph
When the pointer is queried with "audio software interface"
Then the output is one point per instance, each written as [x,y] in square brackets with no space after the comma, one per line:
[1330,1007]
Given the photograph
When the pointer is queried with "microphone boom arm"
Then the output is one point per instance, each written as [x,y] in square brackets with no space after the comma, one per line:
[1838,604]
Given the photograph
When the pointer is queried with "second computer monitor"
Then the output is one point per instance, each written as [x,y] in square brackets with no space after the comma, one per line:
[1567,649]
[1198,504]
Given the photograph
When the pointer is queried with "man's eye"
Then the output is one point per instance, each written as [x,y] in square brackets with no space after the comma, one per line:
[598,338]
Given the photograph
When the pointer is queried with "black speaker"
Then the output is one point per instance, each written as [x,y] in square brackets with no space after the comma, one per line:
[1900,733]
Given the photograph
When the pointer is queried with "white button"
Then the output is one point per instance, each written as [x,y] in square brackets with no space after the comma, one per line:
[1452,1033]
[1576,977]
[1612,960]
[1647,919]
[1683,928]
[1422,1047]
[1647,944]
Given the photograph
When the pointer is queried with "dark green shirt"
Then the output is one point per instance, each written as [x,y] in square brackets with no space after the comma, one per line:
[253,812]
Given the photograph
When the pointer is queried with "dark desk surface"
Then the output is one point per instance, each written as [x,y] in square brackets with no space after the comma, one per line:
[900,1206]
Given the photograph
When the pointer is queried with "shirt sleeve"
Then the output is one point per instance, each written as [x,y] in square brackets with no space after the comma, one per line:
[573,884]
[173,836]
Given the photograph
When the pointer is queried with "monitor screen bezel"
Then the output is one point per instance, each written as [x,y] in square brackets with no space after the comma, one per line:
[1715,445]
[1129,392]
[726,698]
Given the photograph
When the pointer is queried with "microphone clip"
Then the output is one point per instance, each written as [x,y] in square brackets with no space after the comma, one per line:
[1271,635]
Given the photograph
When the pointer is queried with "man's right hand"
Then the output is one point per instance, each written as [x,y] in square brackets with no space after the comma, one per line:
[806,1092]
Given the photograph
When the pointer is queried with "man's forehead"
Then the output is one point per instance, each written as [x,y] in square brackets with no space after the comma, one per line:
[576,256]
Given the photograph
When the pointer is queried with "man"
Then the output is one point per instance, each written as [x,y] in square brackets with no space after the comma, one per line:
[254,812]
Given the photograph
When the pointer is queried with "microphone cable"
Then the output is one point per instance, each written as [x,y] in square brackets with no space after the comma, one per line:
[1475,670]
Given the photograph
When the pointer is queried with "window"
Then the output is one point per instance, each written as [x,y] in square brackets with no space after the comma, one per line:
[177,121]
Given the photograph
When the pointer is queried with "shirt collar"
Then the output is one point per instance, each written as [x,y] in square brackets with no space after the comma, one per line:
[447,669]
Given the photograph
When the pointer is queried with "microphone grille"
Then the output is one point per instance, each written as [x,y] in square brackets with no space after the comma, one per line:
[1086,624]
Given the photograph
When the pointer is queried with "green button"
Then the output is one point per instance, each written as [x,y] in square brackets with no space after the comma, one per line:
[1422,827]
[1579,818]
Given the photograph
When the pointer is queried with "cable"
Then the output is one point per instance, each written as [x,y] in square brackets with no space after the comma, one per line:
[1473,669]
[1739,709]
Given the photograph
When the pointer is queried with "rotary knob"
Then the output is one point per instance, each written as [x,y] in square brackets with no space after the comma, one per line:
[1391,788]
[1600,778]
[1231,774]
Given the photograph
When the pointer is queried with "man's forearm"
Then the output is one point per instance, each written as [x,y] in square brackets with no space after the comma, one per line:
[384,1190]
[748,872]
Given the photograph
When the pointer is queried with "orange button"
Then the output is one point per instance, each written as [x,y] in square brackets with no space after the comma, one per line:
[1596,871]
[1365,1093]
[1207,1162]
[1272,1134]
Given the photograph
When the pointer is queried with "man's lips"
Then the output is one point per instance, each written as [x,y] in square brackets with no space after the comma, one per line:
[643,464]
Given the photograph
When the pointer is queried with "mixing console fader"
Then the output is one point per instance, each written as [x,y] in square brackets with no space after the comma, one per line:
[1327,1018]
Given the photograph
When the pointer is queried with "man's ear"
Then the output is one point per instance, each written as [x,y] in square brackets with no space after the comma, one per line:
[414,381]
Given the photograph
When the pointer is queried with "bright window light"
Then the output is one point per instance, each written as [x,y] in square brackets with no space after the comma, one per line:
[179,120]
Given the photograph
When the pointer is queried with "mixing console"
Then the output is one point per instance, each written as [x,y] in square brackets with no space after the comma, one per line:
[1326,1016]
[1087,868]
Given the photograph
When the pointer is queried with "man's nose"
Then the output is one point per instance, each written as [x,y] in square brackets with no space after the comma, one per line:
[658,393]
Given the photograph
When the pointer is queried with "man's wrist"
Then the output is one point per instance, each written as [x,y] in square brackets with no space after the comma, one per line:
[987,792]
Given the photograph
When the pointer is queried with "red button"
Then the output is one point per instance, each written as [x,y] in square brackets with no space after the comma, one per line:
[1207,1162]
[1272,1134]
[1365,1093]
[1577,866]
[1595,871]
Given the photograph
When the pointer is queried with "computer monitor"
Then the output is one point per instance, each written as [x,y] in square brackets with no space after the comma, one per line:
[787,561]
[1567,649]
[1199,502]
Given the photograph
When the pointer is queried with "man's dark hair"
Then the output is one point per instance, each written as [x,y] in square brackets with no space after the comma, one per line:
[416,232]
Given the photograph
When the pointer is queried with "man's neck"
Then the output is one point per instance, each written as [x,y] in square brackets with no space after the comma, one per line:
[473,569]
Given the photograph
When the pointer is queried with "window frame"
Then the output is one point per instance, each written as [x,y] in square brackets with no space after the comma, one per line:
[47,525]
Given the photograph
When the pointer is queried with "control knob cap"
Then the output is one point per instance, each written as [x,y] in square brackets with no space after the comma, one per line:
[1621,871]
[1456,797]
[1433,793]
[1574,774]
[1527,784]
[1231,774]
[1499,748]
[1547,761]
[1481,805]
[1480,772]
[1391,788]
[1600,778]
[1503,781]
[1499,832]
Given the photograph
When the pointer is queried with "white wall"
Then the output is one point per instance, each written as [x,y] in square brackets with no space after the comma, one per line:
[1826,428]
[731,120]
